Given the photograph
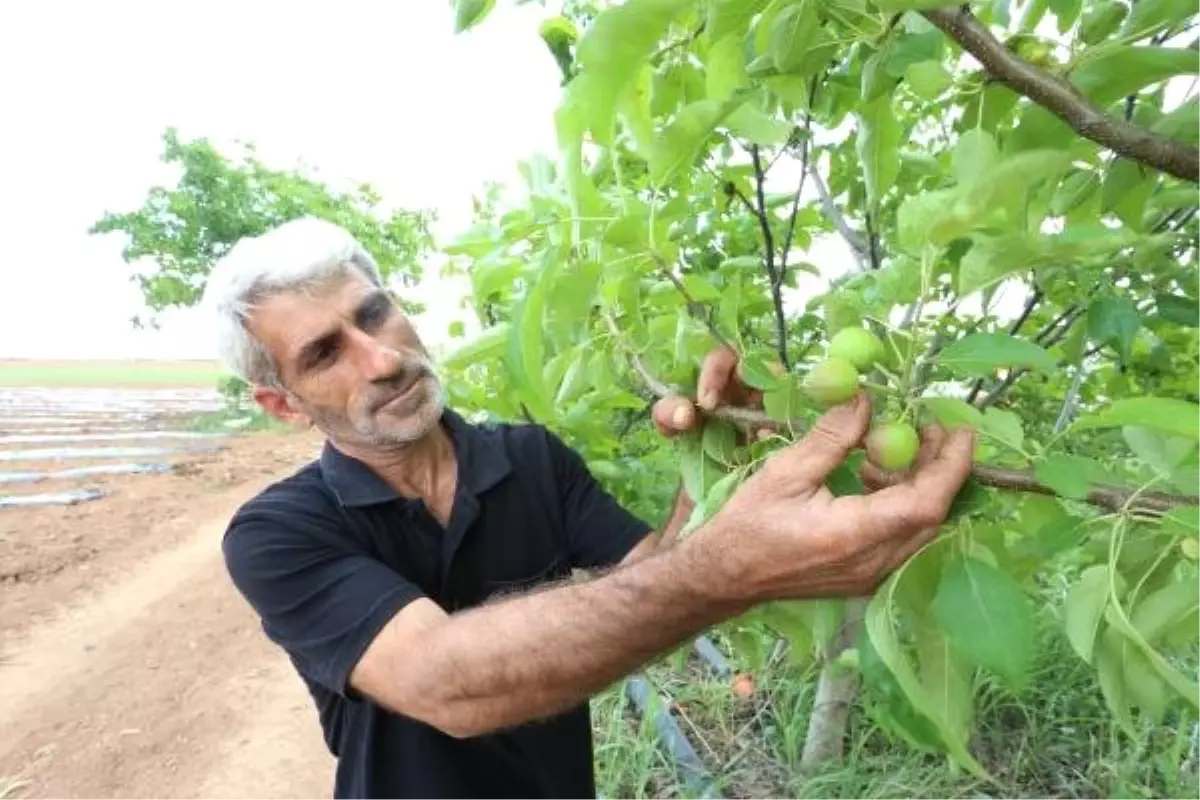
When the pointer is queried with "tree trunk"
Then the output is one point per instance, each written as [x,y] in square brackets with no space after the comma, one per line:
[836,690]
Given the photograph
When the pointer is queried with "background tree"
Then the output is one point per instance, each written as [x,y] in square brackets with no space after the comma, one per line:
[181,231]
[962,152]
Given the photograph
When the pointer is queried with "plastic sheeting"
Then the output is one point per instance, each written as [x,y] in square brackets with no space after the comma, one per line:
[7,439]
[84,472]
[70,498]
[55,453]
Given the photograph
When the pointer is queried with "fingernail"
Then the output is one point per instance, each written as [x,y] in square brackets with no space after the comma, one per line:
[682,418]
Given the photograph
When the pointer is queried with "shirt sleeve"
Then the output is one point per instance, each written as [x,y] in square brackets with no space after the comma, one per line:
[600,531]
[322,603]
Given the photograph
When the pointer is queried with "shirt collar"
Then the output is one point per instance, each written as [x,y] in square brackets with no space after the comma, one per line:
[481,456]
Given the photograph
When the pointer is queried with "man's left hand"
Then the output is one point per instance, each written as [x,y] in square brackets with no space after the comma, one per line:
[719,385]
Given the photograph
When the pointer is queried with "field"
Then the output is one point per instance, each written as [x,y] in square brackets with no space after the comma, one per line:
[128,664]
[20,372]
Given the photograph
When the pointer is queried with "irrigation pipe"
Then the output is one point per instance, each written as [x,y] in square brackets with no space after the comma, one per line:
[672,740]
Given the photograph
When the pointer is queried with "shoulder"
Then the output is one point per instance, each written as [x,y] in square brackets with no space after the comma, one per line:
[528,444]
[292,513]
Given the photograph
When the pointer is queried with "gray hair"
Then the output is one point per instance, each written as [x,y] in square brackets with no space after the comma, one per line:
[294,256]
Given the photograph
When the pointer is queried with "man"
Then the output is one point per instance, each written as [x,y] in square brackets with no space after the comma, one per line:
[417,573]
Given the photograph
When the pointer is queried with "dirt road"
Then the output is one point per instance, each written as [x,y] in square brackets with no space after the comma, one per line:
[129,666]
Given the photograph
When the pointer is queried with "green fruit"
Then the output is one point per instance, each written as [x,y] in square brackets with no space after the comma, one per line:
[858,346]
[832,381]
[893,446]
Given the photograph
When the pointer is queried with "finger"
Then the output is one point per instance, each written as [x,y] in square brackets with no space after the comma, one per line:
[674,415]
[909,548]
[716,377]
[837,432]
[947,470]
[875,478]
[933,439]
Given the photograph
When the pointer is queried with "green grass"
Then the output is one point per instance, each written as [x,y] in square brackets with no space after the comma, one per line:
[139,374]
[1057,740]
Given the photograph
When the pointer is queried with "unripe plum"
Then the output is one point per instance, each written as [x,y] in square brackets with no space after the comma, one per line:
[893,445]
[858,346]
[832,381]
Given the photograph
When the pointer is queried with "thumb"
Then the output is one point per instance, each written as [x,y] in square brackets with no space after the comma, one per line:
[837,432]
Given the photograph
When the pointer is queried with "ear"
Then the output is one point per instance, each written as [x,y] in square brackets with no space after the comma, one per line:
[276,403]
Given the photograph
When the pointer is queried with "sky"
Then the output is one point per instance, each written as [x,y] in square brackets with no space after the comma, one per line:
[382,92]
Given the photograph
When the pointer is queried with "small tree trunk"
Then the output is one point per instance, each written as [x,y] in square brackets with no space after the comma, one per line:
[836,690]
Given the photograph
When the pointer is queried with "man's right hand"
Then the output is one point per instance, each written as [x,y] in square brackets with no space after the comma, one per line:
[783,534]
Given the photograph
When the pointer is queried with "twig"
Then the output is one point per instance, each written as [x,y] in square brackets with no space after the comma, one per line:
[791,229]
[695,307]
[773,274]
[1113,498]
[853,239]
[1065,101]
[1068,406]
[872,242]
[1053,339]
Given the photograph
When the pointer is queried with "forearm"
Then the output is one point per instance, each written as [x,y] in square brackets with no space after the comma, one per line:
[534,655]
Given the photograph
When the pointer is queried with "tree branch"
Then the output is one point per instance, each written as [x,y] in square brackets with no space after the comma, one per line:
[773,274]
[694,306]
[791,229]
[1113,498]
[1065,101]
[853,239]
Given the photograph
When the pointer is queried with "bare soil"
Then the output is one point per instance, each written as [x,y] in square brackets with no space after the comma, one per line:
[129,665]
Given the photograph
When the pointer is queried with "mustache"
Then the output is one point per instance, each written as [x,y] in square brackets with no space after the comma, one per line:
[384,390]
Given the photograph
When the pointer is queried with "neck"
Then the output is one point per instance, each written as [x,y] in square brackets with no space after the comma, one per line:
[420,469]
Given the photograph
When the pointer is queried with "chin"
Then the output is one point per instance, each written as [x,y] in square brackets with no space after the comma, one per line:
[419,416]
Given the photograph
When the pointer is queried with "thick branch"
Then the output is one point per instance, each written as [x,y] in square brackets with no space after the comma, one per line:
[1065,101]
[1113,498]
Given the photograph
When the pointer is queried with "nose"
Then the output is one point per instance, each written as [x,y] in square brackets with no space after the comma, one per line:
[376,360]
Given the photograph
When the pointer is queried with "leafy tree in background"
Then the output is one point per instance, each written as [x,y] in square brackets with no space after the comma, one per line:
[961,152]
[183,230]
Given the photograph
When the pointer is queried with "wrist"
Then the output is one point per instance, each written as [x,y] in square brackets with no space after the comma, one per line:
[708,573]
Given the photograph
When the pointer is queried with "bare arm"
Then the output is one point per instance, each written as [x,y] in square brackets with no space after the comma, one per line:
[537,654]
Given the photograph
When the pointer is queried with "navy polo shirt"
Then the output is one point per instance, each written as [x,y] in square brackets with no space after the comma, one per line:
[328,555]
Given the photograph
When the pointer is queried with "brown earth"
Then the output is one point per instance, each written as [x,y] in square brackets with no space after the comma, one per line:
[129,666]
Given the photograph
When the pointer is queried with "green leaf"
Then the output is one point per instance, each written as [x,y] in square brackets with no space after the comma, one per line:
[756,370]
[1114,320]
[685,138]
[1068,475]
[1183,124]
[1152,16]
[929,217]
[1127,187]
[1113,72]
[1083,609]
[896,6]
[981,353]
[1166,414]
[469,13]
[730,17]
[785,403]
[947,681]
[1004,427]
[950,412]
[724,68]
[793,33]
[1178,309]
[611,53]
[987,618]
[1182,520]
[1165,454]
[700,288]
[881,631]
[1161,611]
[928,79]
[991,259]
[1100,21]
[487,345]
[719,441]
[1074,191]
[877,144]
[1110,671]
[698,470]
[975,156]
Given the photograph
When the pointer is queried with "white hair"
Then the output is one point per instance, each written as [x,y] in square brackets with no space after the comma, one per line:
[293,256]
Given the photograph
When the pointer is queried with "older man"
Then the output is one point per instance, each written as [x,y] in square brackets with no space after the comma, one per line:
[414,573]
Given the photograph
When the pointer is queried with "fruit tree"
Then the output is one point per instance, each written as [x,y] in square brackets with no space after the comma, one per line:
[1013,186]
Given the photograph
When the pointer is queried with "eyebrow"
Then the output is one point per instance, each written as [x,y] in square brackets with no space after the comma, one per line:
[372,303]
[311,351]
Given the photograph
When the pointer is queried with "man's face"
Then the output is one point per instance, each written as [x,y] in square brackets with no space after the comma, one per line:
[351,362]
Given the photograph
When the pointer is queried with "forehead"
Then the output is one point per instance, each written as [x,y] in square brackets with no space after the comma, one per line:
[285,320]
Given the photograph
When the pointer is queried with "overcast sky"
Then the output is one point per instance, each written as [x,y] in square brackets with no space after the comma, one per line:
[375,91]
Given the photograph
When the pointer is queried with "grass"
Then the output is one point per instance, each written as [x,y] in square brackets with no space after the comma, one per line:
[123,374]
[1055,740]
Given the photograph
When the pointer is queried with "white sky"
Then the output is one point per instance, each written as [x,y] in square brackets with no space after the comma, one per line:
[381,91]
[376,91]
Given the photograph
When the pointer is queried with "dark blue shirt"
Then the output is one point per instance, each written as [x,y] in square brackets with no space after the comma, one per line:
[329,555]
